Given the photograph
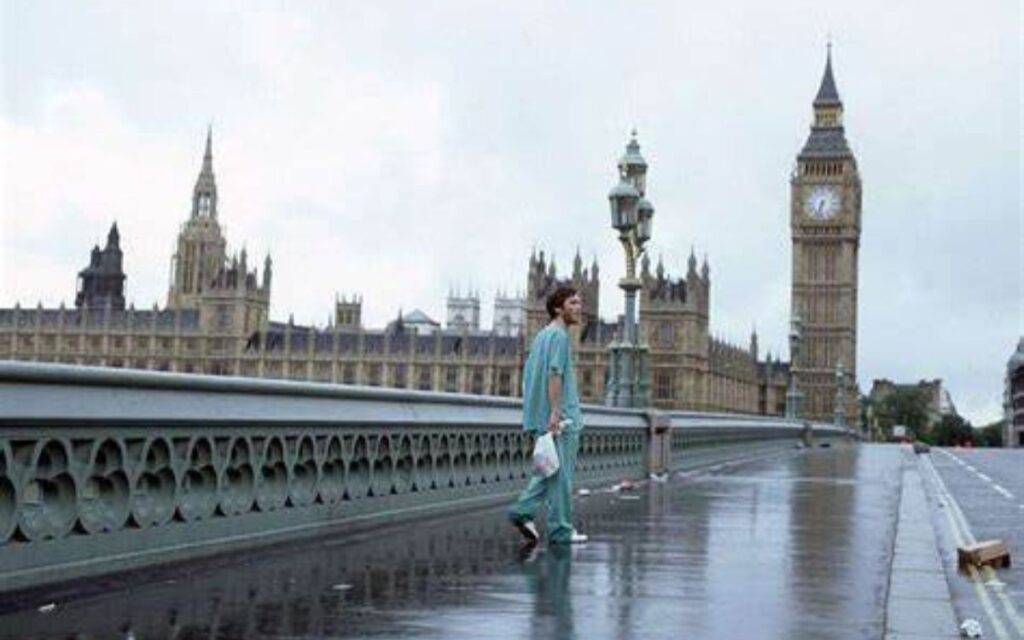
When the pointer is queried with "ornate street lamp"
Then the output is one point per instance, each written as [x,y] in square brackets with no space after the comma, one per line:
[793,396]
[623,199]
[631,216]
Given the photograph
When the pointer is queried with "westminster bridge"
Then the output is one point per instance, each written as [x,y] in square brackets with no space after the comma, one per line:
[151,505]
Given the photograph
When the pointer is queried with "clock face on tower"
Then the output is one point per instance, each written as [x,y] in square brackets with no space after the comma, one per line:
[822,203]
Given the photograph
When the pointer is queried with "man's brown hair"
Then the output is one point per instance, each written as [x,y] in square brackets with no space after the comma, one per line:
[558,298]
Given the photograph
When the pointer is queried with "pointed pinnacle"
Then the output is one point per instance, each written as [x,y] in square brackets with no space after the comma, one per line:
[827,92]
[208,153]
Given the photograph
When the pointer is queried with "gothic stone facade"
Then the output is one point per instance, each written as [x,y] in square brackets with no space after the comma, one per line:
[217,316]
[217,321]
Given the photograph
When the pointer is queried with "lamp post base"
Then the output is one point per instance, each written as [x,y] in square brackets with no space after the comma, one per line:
[628,379]
[793,398]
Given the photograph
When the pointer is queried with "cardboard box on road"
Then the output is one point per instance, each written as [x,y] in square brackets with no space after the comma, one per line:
[991,552]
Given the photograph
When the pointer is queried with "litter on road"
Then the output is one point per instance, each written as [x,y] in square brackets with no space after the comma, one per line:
[625,485]
[991,552]
[970,628]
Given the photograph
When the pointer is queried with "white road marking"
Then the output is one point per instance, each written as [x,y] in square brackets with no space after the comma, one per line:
[961,533]
[1002,491]
[998,488]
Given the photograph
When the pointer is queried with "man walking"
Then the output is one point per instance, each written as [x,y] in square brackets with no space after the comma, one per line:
[551,402]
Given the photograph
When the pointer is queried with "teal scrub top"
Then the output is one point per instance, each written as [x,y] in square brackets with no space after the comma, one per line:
[550,354]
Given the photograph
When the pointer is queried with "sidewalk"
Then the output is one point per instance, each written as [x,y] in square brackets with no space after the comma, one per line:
[919,604]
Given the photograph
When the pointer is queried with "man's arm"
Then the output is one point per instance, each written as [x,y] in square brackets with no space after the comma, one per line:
[555,401]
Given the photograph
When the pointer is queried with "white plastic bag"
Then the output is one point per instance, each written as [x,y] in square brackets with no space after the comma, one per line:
[970,628]
[545,456]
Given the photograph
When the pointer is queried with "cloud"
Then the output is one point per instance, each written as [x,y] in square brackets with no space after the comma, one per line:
[66,180]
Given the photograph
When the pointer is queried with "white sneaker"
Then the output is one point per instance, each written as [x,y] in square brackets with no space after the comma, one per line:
[528,530]
[578,538]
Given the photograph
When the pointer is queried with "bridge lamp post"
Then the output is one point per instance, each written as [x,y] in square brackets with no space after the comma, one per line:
[793,396]
[632,215]
[839,417]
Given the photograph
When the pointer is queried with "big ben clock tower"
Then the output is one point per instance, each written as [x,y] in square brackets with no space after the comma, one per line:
[825,215]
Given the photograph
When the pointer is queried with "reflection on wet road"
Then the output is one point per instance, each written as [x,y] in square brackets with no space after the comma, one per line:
[796,546]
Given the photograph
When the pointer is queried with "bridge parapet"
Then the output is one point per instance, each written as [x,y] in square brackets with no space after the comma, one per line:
[701,439]
[104,470]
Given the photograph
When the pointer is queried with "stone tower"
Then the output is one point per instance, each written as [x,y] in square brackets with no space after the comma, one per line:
[825,220]
[463,310]
[201,249]
[236,303]
[102,282]
[509,314]
[348,313]
[674,320]
[233,300]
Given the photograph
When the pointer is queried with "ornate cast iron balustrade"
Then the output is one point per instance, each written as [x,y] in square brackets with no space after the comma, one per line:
[104,470]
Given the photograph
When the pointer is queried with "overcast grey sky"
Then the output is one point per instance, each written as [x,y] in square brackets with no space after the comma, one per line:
[396,149]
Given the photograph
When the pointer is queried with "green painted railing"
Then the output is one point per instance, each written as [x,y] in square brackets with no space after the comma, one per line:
[104,470]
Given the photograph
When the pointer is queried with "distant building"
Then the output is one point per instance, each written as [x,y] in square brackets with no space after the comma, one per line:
[217,316]
[939,401]
[102,282]
[348,314]
[463,311]
[1013,402]
[509,315]
[420,323]
[217,321]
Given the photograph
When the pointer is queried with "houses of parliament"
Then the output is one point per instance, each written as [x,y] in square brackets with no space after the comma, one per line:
[217,316]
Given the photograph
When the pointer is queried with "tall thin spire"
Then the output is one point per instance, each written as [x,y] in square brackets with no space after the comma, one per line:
[208,154]
[114,237]
[827,93]
[204,196]
[826,139]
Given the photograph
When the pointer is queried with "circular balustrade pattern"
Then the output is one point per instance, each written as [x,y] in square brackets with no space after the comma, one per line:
[155,489]
[103,498]
[49,493]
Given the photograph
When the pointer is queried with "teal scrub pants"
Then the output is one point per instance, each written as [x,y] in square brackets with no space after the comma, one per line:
[556,490]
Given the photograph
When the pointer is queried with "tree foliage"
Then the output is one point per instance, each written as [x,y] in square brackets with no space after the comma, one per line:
[952,431]
[906,406]
[990,435]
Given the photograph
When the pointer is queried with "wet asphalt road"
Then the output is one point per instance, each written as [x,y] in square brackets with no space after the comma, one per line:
[795,546]
[988,488]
